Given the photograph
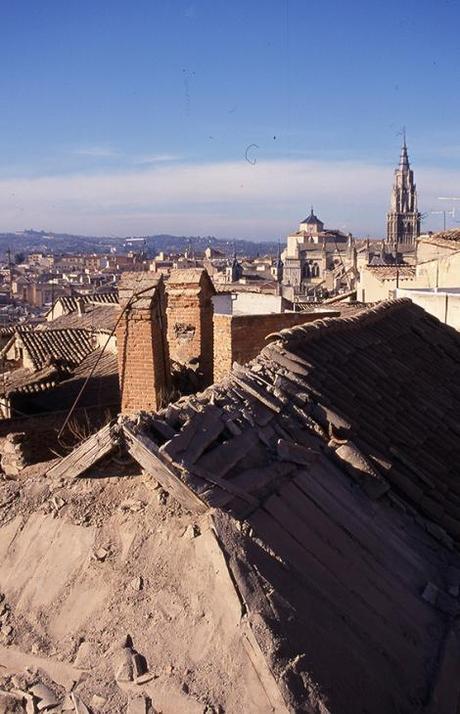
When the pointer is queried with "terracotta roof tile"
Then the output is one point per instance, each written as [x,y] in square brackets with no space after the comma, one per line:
[391,272]
[100,317]
[70,302]
[26,381]
[186,275]
[68,347]
[447,239]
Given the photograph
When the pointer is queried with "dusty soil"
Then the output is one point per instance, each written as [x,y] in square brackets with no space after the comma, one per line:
[116,599]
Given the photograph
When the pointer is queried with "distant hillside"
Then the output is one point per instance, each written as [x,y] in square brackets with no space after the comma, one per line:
[31,240]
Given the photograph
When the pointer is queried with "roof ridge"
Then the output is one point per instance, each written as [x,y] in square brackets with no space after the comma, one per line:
[338,324]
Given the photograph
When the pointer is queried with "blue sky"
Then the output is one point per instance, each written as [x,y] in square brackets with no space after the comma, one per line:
[131,118]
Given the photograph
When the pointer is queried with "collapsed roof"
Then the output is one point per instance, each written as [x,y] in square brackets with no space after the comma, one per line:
[329,466]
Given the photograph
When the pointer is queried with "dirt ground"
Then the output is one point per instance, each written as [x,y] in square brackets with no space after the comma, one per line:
[115,599]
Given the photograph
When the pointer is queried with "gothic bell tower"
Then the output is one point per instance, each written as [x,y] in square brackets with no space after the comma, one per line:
[403,218]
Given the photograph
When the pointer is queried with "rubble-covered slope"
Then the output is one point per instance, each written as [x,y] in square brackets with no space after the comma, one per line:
[99,569]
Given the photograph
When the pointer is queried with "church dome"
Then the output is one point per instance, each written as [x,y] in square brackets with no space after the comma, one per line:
[312,220]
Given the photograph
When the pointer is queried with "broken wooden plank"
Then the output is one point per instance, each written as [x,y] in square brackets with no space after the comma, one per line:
[145,451]
[86,454]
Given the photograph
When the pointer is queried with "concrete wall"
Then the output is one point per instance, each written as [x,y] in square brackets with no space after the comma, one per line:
[240,338]
[372,289]
[442,271]
[247,303]
[445,305]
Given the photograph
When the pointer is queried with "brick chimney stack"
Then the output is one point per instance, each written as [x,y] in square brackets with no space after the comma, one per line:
[143,356]
[190,319]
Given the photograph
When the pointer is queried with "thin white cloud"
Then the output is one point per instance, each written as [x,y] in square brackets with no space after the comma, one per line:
[96,151]
[158,159]
[264,201]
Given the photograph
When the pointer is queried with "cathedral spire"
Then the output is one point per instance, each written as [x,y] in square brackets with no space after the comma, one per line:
[404,158]
[403,219]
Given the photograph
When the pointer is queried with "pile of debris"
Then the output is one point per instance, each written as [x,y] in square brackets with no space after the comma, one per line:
[33,690]
[85,562]
[14,453]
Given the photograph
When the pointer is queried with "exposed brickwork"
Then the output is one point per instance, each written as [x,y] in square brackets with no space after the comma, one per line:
[239,338]
[143,356]
[190,319]
[41,430]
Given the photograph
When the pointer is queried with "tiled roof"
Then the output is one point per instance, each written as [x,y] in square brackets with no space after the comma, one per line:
[96,364]
[101,317]
[67,347]
[312,220]
[26,381]
[10,330]
[70,302]
[329,467]
[447,239]
[391,372]
[186,275]
[391,272]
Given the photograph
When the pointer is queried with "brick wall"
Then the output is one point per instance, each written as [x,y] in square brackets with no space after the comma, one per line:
[190,319]
[143,357]
[240,338]
[41,430]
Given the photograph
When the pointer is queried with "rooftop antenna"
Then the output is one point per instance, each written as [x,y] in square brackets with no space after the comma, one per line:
[444,214]
[450,198]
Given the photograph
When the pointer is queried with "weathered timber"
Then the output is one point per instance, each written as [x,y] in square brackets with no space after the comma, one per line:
[86,454]
[254,480]
[225,485]
[143,450]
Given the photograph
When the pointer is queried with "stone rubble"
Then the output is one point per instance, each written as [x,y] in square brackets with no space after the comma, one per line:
[14,454]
